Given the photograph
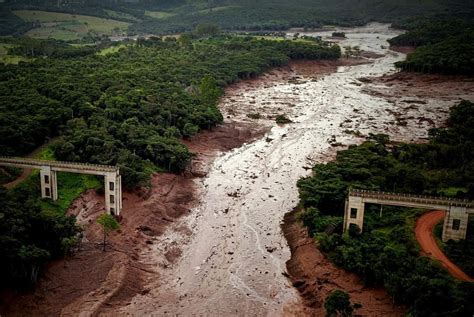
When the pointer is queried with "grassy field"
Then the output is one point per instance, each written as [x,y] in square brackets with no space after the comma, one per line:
[120,15]
[10,59]
[70,186]
[111,50]
[63,26]
[217,9]
[159,14]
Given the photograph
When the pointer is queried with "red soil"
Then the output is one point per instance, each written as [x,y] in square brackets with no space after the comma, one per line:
[26,172]
[424,234]
[403,49]
[93,282]
[404,85]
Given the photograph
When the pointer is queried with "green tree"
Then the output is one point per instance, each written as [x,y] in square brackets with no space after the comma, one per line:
[184,40]
[338,303]
[109,224]
[206,29]
[209,90]
[190,129]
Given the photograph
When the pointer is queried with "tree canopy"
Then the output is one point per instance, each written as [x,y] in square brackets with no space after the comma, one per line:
[386,253]
[130,108]
[444,44]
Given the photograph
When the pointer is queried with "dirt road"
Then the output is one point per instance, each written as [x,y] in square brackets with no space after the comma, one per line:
[26,172]
[424,234]
[212,245]
[234,262]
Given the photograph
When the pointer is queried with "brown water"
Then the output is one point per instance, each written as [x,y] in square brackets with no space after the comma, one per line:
[232,262]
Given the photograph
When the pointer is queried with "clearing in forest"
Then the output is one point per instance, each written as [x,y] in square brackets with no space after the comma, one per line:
[159,14]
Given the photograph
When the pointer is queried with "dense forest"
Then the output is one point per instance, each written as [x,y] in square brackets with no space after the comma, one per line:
[164,17]
[386,253]
[29,235]
[130,108]
[445,44]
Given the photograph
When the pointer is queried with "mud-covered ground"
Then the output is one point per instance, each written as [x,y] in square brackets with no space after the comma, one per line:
[92,281]
[234,263]
[210,242]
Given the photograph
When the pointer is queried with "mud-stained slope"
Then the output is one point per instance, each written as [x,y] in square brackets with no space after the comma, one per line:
[425,236]
[210,242]
[93,282]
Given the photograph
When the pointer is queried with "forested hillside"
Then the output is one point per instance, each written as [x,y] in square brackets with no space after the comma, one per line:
[445,44]
[130,108]
[386,253]
[30,236]
[160,17]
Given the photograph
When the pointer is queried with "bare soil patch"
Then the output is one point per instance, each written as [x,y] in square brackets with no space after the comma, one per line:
[97,283]
[417,85]
[403,49]
[91,281]
[425,236]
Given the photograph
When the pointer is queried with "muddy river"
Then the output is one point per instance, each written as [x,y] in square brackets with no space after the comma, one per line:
[233,260]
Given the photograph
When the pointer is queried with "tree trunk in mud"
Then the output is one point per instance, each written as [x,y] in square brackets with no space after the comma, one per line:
[103,244]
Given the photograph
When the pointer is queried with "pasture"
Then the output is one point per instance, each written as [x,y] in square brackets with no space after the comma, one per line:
[64,26]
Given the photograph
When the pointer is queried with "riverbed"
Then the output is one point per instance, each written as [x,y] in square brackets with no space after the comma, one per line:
[233,260]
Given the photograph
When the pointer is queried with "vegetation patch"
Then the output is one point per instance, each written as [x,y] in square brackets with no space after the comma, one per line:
[460,252]
[7,58]
[217,9]
[444,44]
[64,26]
[35,231]
[386,253]
[121,15]
[254,115]
[130,108]
[282,119]
[159,14]
[111,50]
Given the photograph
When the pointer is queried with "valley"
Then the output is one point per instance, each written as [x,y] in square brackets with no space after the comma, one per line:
[210,241]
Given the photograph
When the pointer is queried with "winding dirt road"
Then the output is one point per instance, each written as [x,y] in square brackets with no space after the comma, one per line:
[26,172]
[424,234]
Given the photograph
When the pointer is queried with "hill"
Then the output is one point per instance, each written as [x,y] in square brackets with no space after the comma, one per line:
[160,17]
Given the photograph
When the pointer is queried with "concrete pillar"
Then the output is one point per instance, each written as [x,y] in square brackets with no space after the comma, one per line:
[49,183]
[113,193]
[354,213]
[119,194]
[54,185]
[455,224]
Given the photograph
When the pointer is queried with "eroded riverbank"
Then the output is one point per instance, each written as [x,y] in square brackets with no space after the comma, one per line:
[235,260]
[214,245]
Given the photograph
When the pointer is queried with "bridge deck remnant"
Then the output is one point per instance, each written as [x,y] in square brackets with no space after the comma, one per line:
[455,222]
[48,170]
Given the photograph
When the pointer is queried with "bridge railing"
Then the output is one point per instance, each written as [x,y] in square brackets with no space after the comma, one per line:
[423,199]
[38,162]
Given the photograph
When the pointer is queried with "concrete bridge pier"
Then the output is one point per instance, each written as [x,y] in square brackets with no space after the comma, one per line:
[49,183]
[113,193]
[354,213]
[455,224]
[455,221]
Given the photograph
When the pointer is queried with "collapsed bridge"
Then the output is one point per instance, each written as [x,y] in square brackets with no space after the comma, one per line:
[49,182]
[455,221]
